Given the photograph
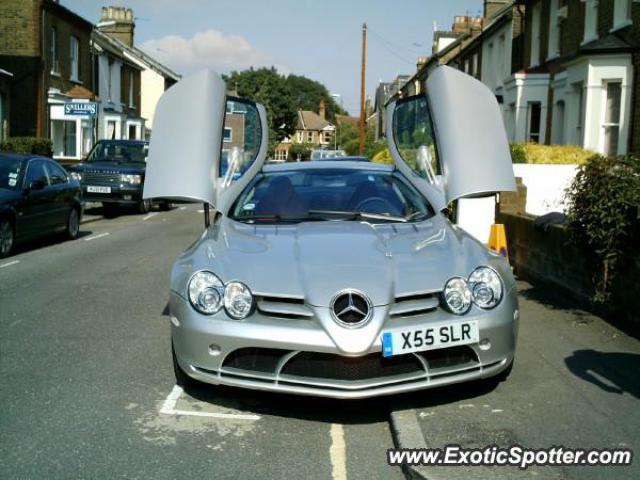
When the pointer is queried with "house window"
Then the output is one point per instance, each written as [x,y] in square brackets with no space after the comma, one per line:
[590,21]
[535,36]
[228,135]
[558,122]
[74,54]
[131,98]
[501,54]
[554,31]
[611,123]
[579,96]
[55,63]
[475,65]
[309,137]
[300,137]
[534,115]
[621,14]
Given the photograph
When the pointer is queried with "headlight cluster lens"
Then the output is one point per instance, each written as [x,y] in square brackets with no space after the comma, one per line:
[457,295]
[484,288]
[208,295]
[76,176]
[237,300]
[132,179]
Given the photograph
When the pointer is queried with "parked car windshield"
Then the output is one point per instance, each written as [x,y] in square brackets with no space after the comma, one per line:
[10,173]
[330,194]
[119,152]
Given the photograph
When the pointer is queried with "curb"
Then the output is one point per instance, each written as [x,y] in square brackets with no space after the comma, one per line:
[90,219]
[406,433]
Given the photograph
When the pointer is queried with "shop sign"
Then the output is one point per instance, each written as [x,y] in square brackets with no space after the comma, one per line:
[81,109]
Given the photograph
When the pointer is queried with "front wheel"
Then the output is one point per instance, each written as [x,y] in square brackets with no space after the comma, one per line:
[7,238]
[182,379]
[73,224]
[144,206]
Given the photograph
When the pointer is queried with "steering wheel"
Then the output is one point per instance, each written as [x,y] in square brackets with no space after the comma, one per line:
[387,206]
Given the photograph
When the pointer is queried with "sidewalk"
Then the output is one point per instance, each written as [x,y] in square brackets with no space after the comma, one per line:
[574,384]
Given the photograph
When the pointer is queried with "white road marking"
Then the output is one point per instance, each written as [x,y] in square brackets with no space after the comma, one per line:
[338,453]
[183,208]
[151,215]
[88,239]
[8,264]
[169,408]
[200,211]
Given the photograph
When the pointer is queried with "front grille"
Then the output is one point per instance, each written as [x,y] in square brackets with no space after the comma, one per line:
[263,360]
[449,357]
[336,367]
[290,308]
[416,304]
[100,177]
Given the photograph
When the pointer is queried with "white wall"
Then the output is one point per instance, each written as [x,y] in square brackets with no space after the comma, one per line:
[546,185]
[152,87]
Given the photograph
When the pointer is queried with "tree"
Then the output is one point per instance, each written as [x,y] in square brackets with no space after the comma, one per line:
[349,140]
[282,97]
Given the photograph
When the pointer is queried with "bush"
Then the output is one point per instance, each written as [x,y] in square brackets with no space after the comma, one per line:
[301,149]
[383,156]
[603,202]
[28,145]
[549,154]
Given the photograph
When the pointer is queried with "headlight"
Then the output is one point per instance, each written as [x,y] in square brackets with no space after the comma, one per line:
[206,292]
[457,295]
[238,300]
[486,287]
[76,176]
[132,179]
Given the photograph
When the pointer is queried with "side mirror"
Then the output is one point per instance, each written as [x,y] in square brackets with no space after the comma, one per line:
[37,185]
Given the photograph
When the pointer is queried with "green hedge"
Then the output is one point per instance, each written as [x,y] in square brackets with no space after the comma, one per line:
[549,154]
[603,203]
[28,145]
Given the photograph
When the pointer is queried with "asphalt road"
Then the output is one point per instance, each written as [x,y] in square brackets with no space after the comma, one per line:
[85,368]
[87,387]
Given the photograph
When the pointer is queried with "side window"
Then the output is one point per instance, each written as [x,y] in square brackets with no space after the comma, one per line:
[56,174]
[35,173]
[414,136]
[242,138]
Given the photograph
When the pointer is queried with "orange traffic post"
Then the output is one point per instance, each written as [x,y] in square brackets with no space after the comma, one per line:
[498,239]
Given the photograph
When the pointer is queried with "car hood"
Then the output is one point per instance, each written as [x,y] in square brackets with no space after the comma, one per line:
[315,260]
[110,167]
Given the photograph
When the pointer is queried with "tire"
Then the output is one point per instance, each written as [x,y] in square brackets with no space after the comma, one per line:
[73,224]
[144,206]
[182,379]
[7,237]
[166,206]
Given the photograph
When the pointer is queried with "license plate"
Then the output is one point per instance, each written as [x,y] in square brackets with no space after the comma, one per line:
[432,337]
[94,189]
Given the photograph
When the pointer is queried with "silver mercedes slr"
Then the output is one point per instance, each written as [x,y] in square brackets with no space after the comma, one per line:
[336,278]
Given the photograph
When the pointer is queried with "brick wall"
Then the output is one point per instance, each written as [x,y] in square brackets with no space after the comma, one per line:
[548,258]
[19,27]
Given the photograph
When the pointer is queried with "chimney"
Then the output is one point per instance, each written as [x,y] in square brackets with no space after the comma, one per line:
[322,110]
[491,7]
[118,23]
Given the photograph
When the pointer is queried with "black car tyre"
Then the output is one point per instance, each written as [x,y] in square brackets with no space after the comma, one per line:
[182,379]
[144,206]
[73,224]
[165,206]
[7,237]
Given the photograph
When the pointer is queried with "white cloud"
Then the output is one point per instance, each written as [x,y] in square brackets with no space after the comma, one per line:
[209,49]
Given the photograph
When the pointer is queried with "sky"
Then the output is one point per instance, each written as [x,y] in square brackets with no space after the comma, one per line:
[318,39]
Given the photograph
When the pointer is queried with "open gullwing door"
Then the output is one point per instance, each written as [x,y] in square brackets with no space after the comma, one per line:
[452,138]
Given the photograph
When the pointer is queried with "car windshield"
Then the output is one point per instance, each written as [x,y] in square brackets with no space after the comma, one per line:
[330,194]
[10,173]
[119,152]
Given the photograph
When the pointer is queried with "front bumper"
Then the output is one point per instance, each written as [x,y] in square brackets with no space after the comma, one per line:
[298,356]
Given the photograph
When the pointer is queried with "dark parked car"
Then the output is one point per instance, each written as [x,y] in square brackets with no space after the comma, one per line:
[113,173]
[37,198]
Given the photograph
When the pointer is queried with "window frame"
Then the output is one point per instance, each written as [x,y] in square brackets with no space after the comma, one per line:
[228,139]
[622,14]
[55,60]
[26,172]
[74,58]
[529,132]
[604,124]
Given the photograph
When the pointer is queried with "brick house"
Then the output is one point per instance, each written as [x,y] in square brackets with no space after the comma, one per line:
[5,97]
[589,52]
[314,128]
[47,49]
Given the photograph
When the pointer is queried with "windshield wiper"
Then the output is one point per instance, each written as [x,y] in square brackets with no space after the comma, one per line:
[275,218]
[352,215]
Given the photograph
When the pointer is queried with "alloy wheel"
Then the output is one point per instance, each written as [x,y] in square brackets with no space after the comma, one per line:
[73,224]
[6,238]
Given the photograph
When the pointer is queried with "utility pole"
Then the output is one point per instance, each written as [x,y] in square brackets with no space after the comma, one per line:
[362,86]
